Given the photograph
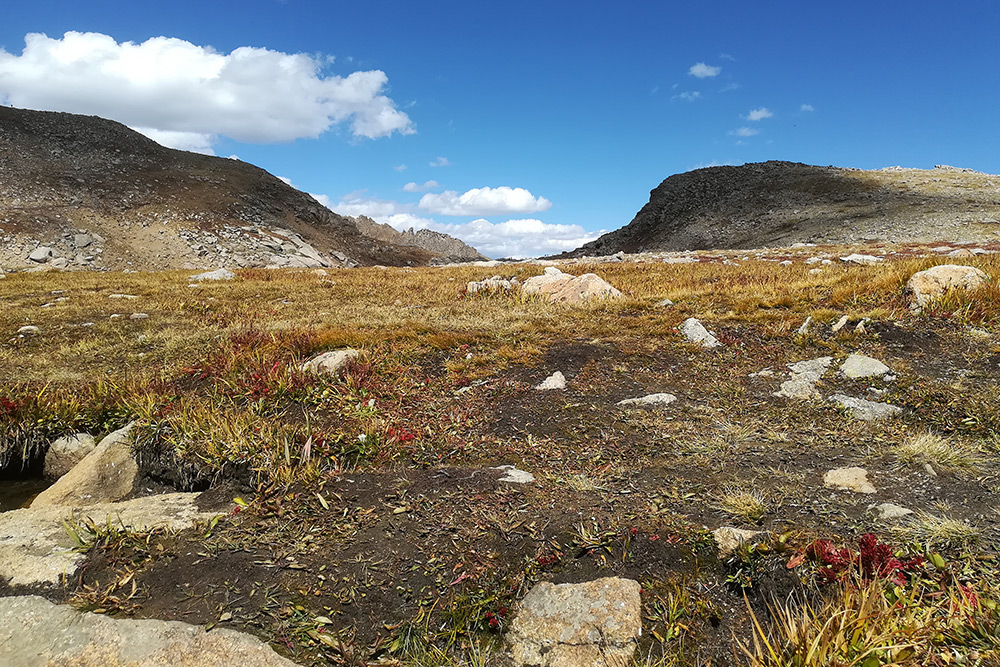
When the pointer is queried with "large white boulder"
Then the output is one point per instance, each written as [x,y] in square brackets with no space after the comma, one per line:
[925,287]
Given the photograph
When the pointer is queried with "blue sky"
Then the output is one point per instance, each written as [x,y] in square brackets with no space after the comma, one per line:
[524,128]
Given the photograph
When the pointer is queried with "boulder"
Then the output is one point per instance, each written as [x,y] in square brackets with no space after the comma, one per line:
[848,479]
[494,284]
[650,399]
[585,288]
[555,381]
[41,254]
[804,376]
[37,633]
[925,287]
[66,452]
[36,548]
[550,281]
[696,332]
[728,539]
[863,410]
[330,363]
[104,475]
[570,625]
[865,260]
[860,366]
[218,274]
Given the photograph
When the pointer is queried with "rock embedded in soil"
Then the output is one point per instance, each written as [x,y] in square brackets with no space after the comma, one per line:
[330,363]
[728,539]
[28,330]
[494,284]
[891,512]
[104,475]
[218,274]
[695,332]
[650,399]
[555,381]
[37,633]
[926,287]
[862,410]
[848,479]
[804,376]
[512,475]
[65,452]
[36,548]
[864,260]
[860,366]
[570,625]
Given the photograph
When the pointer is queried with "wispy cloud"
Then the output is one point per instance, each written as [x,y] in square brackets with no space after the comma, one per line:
[807,107]
[759,114]
[417,187]
[703,71]
[440,162]
[726,56]
[729,87]
[400,167]
[687,96]
[744,132]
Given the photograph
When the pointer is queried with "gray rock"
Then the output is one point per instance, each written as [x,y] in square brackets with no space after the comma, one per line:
[840,324]
[139,316]
[866,260]
[848,479]
[66,452]
[330,363]
[41,254]
[555,381]
[804,329]
[728,539]
[514,476]
[863,410]
[218,274]
[28,330]
[494,284]
[860,366]
[37,633]
[925,287]
[804,376]
[596,623]
[890,512]
[665,303]
[59,263]
[104,475]
[35,547]
[695,332]
[650,399]
[82,240]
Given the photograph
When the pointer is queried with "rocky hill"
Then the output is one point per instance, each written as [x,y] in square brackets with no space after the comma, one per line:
[781,203]
[85,192]
[449,248]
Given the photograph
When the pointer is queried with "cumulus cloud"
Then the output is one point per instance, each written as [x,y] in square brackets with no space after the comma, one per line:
[186,95]
[703,71]
[688,96]
[416,187]
[511,238]
[439,162]
[484,201]
[759,114]
[807,107]
[744,132]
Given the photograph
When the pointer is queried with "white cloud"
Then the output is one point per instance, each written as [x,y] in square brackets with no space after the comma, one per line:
[759,114]
[807,107]
[484,201]
[439,162]
[688,96]
[703,71]
[512,238]
[744,132]
[186,95]
[195,142]
[713,163]
[400,167]
[416,187]
[726,56]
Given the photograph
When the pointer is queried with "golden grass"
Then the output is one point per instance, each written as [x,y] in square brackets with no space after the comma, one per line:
[952,456]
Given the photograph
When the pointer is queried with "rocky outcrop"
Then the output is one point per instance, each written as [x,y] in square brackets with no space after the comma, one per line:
[37,633]
[559,287]
[447,248]
[567,625]
[781,203]
[82,192]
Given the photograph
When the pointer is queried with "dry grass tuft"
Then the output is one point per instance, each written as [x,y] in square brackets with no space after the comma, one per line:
[953,456]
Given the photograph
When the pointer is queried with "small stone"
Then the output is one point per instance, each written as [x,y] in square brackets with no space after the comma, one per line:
[330,363]
[28,330]
[929,469]
[122,296]
[866,260]
[555,381]
[728,539]
[804,329]
[41,254]
[666,303]
[863,410]
[890,512]
[860,366]
[848,479]
[514,476]
[138,316]
[839,324]
[650,399]
[695,332]
[804,376]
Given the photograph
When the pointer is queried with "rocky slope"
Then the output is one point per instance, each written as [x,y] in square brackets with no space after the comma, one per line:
[449,248]
[85,192]
[781,203]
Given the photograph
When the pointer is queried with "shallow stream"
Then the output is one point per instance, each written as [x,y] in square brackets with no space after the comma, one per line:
[16,493]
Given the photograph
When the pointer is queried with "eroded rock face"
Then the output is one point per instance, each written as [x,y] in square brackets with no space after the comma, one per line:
[570,625]
[330,363]
[37,633]
[925,287]
[104,475]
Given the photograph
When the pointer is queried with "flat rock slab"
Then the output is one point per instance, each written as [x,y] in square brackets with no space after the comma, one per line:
[512,475]
[860,366]
[37,633]
[570,625]
[650,399]
[848,479]
[863,410]
[35,547]
[804,376]
[218,274]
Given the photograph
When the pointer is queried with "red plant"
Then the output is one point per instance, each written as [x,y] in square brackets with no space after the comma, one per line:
[7,406]
[873,560]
